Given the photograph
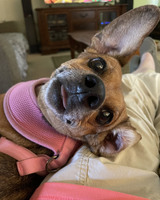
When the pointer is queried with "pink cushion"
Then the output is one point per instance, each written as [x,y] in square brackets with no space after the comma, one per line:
[65,191]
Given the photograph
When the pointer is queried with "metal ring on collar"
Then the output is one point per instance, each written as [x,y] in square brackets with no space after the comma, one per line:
[54,157]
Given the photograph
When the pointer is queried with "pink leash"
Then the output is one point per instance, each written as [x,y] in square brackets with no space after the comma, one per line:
[28,162]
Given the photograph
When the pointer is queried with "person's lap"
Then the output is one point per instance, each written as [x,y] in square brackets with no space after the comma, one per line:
[134,170]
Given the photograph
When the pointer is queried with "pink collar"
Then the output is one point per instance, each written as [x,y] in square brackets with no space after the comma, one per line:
[23,113]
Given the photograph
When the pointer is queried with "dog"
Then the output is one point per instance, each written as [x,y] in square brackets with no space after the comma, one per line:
[82,100]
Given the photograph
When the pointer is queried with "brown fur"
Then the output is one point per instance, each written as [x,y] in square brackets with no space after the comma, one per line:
[119,39]
[12,185]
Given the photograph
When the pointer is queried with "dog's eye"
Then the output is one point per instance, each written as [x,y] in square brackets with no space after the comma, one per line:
[104,117]
[97,64]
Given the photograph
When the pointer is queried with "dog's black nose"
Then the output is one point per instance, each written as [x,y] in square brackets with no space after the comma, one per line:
[91,91]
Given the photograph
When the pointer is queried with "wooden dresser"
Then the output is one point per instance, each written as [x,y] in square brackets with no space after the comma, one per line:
[55,23]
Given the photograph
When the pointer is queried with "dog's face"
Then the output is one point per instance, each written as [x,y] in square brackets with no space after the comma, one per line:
[83,98]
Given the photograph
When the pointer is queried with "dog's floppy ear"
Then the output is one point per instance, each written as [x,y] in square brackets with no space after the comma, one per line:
[125,34]
[119,138]
[127,135]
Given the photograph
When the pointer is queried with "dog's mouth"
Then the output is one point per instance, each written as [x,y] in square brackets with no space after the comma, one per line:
[58,97]
[64,97]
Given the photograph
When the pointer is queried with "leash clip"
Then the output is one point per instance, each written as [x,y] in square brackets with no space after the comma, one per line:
[54,157]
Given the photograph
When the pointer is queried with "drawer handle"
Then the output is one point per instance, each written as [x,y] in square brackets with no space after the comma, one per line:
[84,15]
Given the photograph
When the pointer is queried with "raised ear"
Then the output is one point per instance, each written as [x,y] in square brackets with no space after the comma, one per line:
[125,34]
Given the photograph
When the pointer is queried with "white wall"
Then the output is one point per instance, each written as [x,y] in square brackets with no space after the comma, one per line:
[138,3]
[11,10]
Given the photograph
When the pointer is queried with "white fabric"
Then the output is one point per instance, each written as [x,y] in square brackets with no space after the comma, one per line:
[20,46]
[134,171]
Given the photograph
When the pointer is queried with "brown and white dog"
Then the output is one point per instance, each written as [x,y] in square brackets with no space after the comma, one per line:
[83,99]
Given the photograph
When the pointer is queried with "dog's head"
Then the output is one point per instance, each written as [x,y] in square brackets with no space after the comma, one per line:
[83,98]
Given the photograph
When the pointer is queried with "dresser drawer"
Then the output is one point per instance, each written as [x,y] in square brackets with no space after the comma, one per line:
[83,26]
[85,15]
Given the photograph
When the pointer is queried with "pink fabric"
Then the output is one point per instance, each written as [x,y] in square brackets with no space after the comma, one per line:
[65,191]
[23,113]
[33,165]
[14,150]
[28,162]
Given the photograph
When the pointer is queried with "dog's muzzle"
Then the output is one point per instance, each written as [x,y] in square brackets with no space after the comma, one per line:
[91,91]
[83,92]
